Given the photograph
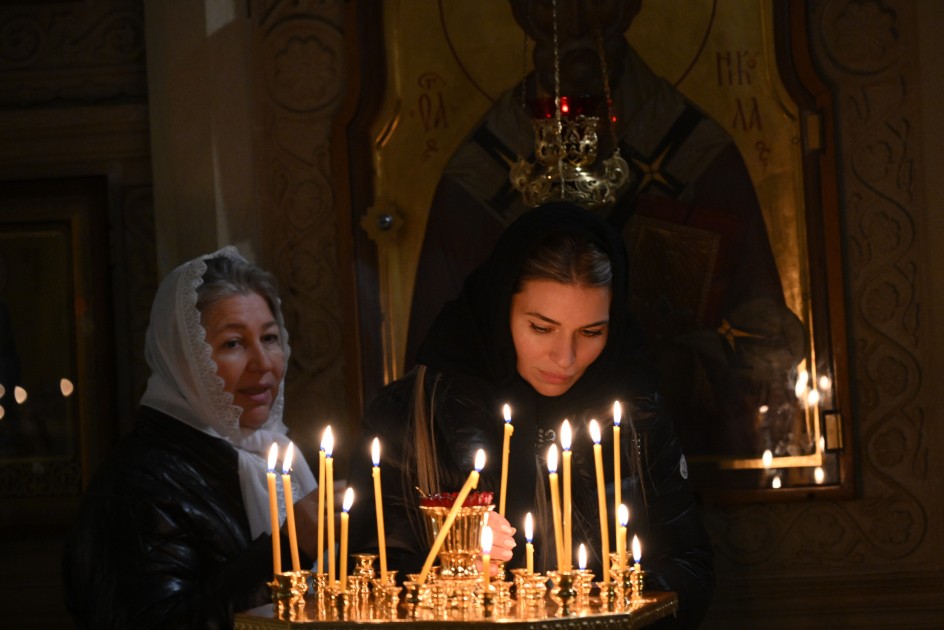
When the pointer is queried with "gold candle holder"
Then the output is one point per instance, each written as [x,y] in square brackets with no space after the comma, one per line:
[583,583]
[319,582]
[610,595]
[626,587]
[563,593]
[364,564]
[638,576]
[463,541]
[288,592]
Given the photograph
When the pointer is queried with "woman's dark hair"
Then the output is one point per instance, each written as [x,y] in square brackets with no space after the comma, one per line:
[567,259]
[225,277]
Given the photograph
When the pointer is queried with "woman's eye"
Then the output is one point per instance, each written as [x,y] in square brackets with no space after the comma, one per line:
[539,329]
[593,333]
[271,338]
[229,344]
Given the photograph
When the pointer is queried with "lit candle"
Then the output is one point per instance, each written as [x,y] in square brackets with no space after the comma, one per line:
[509,429]
[345,517]
[470,483]
[486,554]
[321,498]
[582,557]
[274,509]
[622,513]
[568,521]
[601,499]
[555,505]
[290,505]
[617,468]
[329,496]
[637,554]
[529,547]
[378,507]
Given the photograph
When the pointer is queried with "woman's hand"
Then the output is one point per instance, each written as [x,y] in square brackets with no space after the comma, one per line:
[502,541]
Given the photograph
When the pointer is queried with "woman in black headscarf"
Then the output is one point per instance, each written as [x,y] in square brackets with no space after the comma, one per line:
[544,326]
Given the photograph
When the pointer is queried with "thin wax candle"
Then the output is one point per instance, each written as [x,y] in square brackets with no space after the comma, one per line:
[274,510]
[509,429]
[470,483]
[617,472]
[378,507]
[345,517]
[290,505]
[601,499]
[329,500]
[555,505]
[529,547]
[622,516]
[486,554]
[321,499]
[568,503]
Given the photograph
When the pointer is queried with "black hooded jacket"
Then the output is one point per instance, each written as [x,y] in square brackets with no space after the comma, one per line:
[467,369]
[162,539]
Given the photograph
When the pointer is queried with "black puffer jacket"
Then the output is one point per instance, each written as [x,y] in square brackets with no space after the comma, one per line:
[162,538]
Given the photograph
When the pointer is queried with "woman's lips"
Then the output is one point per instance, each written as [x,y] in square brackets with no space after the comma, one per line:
[257,395]
[554,378]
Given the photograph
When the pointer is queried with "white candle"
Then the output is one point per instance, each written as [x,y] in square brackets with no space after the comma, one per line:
[509,429]
[345,517]
[290,505]
[274,509]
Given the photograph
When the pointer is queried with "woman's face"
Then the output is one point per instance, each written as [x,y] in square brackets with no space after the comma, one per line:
[558,331]
[249,358]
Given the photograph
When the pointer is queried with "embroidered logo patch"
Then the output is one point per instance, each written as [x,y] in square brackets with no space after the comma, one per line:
[683,467]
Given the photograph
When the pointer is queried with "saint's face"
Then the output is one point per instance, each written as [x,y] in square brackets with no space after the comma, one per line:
[558,331]
[249,358]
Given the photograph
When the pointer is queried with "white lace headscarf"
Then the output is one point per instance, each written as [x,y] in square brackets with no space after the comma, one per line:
[184,385]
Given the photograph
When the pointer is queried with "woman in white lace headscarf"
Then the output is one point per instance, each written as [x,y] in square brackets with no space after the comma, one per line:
[175,528]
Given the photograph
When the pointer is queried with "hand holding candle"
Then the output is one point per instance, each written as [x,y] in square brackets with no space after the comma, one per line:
[509,429]
[528,536]
[345,517]
[290,505]
[470,483]
[274,510]
[378,507]
[555,505]
[601,499]
[565,437]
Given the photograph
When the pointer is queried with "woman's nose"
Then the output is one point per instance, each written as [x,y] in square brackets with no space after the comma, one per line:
[564,352]
[260,359]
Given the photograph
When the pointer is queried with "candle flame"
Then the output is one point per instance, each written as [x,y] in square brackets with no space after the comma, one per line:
[287,460]
[767,458]
[348,499]
[273,455]
[595,431]
[528,527]
[506,412]
[375,451]
[566,435]
[66,387]
[479,460]
[20,395]
[802,379]
[487,540]
[819,475]
[582,557]
[623,515]
[637,548]
[327,441]
[776,483]
[617,413]
[552,458]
